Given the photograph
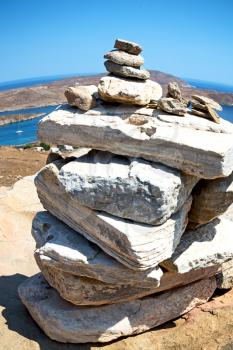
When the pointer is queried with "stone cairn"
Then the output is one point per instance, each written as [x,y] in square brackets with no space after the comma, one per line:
[134,233]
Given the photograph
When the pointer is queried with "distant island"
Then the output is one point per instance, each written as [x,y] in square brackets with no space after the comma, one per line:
[52,93]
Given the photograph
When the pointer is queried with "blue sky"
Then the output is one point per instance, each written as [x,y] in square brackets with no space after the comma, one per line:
[186,38]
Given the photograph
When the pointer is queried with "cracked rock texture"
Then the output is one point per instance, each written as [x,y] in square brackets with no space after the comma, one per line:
[208,245]
[130,188]
[211,198]
[138,246]
[65,322]
[61,247]
[169,140]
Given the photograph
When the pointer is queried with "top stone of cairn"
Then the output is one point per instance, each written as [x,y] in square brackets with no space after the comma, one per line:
[128,46]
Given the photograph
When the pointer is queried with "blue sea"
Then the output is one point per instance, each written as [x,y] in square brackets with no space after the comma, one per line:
[25,132]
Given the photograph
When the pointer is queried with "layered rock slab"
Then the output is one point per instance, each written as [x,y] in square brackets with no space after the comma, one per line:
[84,275]
[60,247]
[169,140]
[128,46]
[138,246]
[124,58]
[126,71]
[65,322]
[211,198]
[130,188]
[208,245]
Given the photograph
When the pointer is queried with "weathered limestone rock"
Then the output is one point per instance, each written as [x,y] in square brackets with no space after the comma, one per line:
[211,198]
[137,246]
[225,276]
[130,188]
[128,91]
[65,322]
[172,106]
[83,274]
[124,58]
[207,101]
[212,114]
[126,71]
[83,97]
[173,140]
[128,46]
[60,247]
[174,90]
[208,245]
[199,113]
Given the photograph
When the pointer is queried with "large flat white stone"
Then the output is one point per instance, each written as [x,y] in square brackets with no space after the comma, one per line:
[130,188]
[138,246]
[65,322]
[191,144]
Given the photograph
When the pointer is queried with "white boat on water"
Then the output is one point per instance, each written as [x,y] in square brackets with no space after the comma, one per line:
[19,131]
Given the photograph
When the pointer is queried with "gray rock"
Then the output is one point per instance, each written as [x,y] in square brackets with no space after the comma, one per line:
[60,247]
[83,97]
[206,100]
[172,106]
[125,59]
[128,46]
[126,71]
[138,246]
[65,322]
[130,188]
[225,276]
[83,274]
[208,245]
[211,198]
[113,89]
[173,141]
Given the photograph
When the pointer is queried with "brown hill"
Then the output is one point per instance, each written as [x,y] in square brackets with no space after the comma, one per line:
[53,93]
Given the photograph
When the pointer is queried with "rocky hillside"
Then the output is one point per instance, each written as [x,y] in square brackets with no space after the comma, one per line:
[53,93]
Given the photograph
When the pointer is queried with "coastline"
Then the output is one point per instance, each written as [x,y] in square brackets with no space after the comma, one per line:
[5,120]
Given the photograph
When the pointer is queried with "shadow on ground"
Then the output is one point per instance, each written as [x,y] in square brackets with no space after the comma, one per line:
[18,319]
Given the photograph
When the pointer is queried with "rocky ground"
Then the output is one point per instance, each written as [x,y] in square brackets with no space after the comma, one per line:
[207,327]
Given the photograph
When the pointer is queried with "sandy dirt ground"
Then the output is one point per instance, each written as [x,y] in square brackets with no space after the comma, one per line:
[208,327]
[15,164]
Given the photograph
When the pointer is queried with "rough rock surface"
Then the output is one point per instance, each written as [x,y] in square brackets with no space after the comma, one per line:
[173,90]
[60,247]
[65,322]
[83,97]
[225,276]
[211,198]
[207,101]
[85,275]
[165,139]
[124,58]
[172,106]
[126,71]
[128,46]
[130,188]
[206,326]
[208,245]
[199,113]
[122,90]
[137,246]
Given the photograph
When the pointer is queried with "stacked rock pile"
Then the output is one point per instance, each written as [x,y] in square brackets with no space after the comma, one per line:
[131,236]
[205,107]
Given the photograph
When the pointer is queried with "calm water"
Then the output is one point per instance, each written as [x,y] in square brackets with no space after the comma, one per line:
[206,85]
[10,136]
